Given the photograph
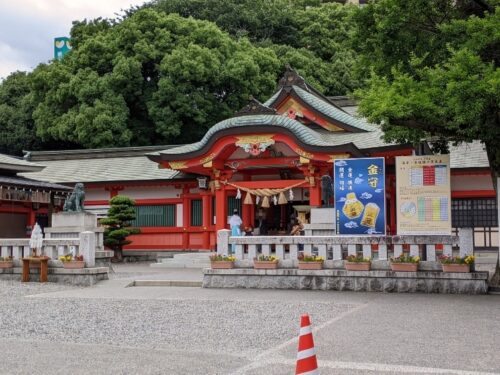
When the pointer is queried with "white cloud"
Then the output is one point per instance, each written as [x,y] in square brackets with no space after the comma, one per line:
[28,27]
[351,224]
[358,180]
[366,195]
[340,163]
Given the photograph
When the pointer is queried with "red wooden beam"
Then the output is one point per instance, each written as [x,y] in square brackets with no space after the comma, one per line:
[473,194]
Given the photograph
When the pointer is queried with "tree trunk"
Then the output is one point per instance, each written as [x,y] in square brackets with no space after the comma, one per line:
[118,255]
[495,280]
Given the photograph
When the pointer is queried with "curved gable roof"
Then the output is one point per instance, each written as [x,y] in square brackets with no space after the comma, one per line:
[305,136]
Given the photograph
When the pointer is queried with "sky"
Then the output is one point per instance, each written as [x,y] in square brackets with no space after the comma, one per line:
[28,27]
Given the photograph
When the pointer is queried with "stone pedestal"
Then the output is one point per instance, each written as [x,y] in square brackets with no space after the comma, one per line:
[73,225]
[322,222]
[84,220]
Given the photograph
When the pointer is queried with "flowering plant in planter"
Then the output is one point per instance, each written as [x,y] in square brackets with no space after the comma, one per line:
[357,263]
[405,262]
[456,264]
[267,258]
[222,258]
[6,262]
[222,261]
[311,258]
[310,262]
[265,262]
[69,262]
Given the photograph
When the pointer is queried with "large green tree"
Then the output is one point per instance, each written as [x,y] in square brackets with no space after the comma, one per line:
[311,35]
[17,129]
[151,78]
[435,72]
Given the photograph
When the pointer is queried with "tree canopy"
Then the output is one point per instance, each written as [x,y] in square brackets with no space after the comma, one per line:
[151,78]
[434,70]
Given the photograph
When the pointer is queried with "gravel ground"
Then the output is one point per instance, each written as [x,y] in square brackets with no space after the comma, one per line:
[110,329]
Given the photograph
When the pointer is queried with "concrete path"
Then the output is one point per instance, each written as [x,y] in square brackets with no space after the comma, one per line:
[113,329]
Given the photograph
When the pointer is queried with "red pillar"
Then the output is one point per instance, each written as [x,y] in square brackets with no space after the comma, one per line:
[315,195]
[246,215]
[220,209]
[206,199]
[185,218]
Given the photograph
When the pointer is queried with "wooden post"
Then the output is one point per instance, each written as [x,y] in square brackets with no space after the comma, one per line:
[206,204]
[26,270]
[43,270]
[186,218]
[220,208]
[315,195]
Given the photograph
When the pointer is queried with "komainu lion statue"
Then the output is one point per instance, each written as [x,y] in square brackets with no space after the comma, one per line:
[74,203]
[326,190]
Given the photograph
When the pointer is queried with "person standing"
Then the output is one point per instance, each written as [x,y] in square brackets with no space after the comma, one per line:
[235,225]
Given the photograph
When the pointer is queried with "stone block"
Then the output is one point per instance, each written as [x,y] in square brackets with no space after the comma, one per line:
[223,241]
[84,220]
[323,216]
[466,241]
[88,248]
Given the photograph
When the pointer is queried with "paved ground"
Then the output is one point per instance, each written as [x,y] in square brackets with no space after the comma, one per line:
[112,329]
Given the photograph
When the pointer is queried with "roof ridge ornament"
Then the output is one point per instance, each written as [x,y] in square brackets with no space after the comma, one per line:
[292,78]
[254,107]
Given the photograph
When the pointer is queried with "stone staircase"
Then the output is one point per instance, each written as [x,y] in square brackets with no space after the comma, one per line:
[188,260]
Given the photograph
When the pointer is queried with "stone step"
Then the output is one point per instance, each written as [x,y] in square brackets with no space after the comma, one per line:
[179,265]
[183,283]
[494,290]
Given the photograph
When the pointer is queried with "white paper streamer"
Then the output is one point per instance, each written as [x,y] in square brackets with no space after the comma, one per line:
[275,200]
[290,195]
[238,194]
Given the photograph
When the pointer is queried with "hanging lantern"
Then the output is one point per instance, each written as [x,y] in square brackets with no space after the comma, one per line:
[275,200]
[238,194]
[282,199]
[248,199]
[290,194]
[265,202]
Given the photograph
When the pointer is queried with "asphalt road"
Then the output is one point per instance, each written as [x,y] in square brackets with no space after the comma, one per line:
[111,329]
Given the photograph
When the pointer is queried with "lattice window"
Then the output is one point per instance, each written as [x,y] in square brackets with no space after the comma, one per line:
[154,216]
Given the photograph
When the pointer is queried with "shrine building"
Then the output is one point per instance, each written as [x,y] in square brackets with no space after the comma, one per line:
[267,162]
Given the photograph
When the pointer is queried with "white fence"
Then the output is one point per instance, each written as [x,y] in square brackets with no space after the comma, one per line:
[336,248]
[52,247]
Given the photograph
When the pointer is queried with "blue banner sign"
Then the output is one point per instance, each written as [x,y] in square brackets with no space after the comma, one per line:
[360,196]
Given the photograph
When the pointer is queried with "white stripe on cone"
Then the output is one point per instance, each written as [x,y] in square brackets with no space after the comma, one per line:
[305,330]
[306,353]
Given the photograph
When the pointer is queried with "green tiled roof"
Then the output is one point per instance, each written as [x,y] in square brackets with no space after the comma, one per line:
[302,132]
[103,169]
[12,163]
[331,111]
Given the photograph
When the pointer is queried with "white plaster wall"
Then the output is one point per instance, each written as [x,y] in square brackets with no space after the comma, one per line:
[179,215]
[98,194]
[471,182]
[153,192]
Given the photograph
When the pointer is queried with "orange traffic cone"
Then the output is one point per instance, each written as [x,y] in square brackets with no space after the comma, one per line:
[306,356]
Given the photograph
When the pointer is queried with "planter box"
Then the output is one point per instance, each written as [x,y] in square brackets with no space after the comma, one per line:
[222,264]
[74,264]
[456,267]
[360,266]
[6,264]
[310,265]
[264,265]
[404,267]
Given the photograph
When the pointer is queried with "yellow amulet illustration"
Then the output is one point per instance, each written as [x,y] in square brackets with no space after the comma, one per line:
[352,207]
[370,215]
